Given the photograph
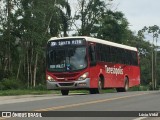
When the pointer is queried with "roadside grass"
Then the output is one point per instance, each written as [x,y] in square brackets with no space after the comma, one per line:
[37,92]
[23,92]
[143,88]
[45,91]
[139,88]
[40,92]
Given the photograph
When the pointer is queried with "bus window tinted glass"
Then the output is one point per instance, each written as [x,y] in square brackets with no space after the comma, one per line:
[67,59]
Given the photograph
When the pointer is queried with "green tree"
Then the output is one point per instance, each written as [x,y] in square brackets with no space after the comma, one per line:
[26,31]
[98,20]
[6,38]
[144,52]
[113,27]
[37,23]
[154,31]
[89,14]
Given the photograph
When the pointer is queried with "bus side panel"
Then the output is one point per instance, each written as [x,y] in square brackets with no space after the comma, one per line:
[133,74]
[127,72]
[113,78]
[93,74]
[135,80]
[118,78]
[107,77]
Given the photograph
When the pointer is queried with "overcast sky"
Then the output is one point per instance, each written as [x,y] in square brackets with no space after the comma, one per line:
[139,13]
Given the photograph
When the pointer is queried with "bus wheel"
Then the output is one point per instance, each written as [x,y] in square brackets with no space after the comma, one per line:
[126,86]
[93,90]
[97,90]
[64,92]
[100,86]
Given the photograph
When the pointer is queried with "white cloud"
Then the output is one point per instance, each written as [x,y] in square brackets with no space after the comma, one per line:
[140,13]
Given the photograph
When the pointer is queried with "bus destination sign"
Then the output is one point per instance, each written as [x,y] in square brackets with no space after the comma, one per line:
[67,42]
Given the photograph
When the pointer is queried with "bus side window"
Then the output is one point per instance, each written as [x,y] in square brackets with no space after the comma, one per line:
[125,57]
[92,55]
[134,58]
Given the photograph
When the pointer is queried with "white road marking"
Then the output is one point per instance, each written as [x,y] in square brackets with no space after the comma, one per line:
[140,118]
[26,98]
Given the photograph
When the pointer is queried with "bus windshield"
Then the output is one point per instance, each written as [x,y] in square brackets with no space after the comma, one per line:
[61,59]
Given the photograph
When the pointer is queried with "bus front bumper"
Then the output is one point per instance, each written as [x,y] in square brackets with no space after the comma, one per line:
[83,84]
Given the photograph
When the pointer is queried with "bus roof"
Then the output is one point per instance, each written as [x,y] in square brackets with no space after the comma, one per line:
[96,40]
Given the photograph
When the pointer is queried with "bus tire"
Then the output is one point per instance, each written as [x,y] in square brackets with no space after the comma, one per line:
[99,89]
[64,92]
[126,86]
[93,90]
[100,85]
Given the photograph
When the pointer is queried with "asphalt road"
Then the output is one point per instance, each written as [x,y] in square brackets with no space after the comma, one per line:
[92,107]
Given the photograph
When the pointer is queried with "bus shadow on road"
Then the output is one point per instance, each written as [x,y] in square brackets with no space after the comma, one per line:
[87,93]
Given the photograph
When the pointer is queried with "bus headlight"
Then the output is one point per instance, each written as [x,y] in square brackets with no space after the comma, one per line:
[84,76]
[49,78]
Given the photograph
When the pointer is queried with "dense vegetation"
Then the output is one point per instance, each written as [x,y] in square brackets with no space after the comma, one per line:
[26,25]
